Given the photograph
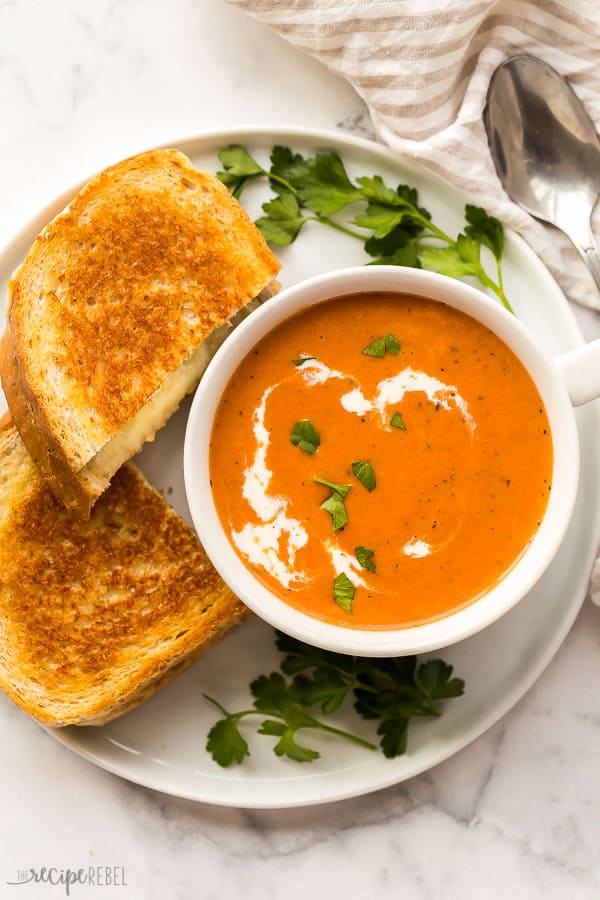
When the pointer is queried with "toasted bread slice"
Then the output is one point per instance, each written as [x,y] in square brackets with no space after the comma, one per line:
[109,312]
[95,616]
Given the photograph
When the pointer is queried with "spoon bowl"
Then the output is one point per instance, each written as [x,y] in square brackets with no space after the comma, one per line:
[546,151]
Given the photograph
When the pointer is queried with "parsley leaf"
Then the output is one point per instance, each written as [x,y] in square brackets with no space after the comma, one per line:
[287,167]
[375,190]
[238,162]
[381,220]
[485,229]
[331,678]
[397,421]
[305,436]
[283,221]
[324,186]
[240,168]
[226,744]
[341,489]
[334,504]
[303,359]
[300,656]
[403,256]
[365,557]
[343,592]
[394,733]
[383,345]
[275,697]
[288,745]
[410,196]
[435,678]
[328,689]
[271,693]
[446,261]
[365,473]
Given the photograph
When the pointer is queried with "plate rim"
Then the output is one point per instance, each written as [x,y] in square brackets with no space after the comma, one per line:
[202,141]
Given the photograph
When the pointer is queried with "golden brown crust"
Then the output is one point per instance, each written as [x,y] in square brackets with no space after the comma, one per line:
[154,684]
[96,615]
[115,294]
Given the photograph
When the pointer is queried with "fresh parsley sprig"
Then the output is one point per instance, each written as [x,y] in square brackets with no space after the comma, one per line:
[391,691]
[394,229]
[400,690]
[285,705]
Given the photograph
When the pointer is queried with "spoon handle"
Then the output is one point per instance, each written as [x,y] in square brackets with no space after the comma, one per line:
[580,233]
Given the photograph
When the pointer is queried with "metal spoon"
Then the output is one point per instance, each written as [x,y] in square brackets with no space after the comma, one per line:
[546,151]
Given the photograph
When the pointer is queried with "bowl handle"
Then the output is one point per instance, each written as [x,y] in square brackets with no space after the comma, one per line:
[579,370]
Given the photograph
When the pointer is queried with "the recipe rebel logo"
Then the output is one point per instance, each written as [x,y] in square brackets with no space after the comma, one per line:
[92,876]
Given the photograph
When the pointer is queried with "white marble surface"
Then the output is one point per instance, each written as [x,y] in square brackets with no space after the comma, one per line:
[517,813]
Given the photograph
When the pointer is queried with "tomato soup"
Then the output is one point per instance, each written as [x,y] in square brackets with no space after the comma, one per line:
[380,460]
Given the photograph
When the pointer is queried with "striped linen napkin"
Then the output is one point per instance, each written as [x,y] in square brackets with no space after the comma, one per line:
[423,68]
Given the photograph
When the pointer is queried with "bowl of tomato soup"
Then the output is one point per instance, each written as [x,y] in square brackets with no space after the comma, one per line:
[371,461]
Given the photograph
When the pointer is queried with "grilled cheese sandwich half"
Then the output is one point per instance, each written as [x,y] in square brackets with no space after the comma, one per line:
[115,311]
[95,616]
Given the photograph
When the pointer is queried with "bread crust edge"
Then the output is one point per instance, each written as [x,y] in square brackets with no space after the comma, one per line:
[37,436]
[152,686]
[119,702]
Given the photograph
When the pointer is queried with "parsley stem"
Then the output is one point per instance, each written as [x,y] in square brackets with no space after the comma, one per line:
[233,716]
[500,279]
[357,684]
[500,291]
[272,177]
[496,288]
[309,722]
[428,224]
[217,704]
[344,734]
[325,220]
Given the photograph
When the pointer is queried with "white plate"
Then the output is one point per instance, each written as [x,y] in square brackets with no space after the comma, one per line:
[161,744]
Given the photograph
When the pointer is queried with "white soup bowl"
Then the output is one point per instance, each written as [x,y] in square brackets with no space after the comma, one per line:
[570,380]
